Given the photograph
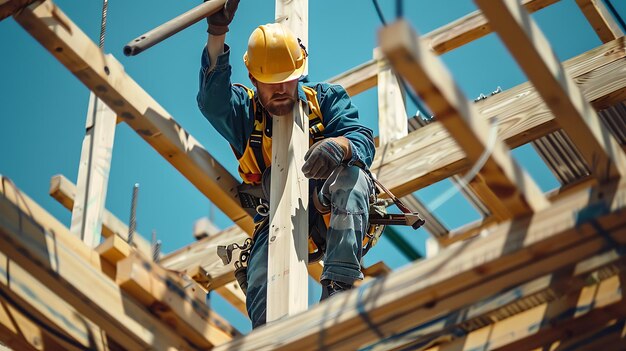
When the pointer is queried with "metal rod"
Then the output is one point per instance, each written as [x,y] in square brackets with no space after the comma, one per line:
[103,22]
[172,27]
[133,210]
[156,247]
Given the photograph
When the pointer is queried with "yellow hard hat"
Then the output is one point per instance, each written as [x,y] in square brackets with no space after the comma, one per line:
[274,54]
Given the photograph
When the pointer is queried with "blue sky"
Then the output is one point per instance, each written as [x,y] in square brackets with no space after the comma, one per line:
[44,105]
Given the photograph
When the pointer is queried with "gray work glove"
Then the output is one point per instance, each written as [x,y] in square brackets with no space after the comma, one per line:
[322,159]
[219,21]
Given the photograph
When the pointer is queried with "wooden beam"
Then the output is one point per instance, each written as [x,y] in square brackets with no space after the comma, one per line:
[287,282]
[451,36]
[64,191]
[611,337]
[600,19]
[106,77]
[18,332]
[181,260]
[392,118]
[9,7]
[358,79]
[55,317]
[93,172]
[579,312]
[573,113]
[287,289]
[509,254]
[64,264]
[519,112]
[512,192]
[487,312]
[166,298]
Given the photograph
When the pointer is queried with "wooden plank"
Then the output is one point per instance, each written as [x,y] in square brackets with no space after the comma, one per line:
[287,289]
[451,36]
[561,319]
[489,311]
[20,333]
[105,76]
[519,112]
[59,35]
[232,293]
[600,19]
[358,79]
[64,191]
[203,253]
[392,116]
[52,317]
[609,338]
[114,249]
[8,8]
[512,192]
[287,281]
[573,113]
[508,255]
[65,265]
[93,172]
[165,297]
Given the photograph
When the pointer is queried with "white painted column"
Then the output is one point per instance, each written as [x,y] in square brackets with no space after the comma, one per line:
[93,172]
[287,290]
[392,118]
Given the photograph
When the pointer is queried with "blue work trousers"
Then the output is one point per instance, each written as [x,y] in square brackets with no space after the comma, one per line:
[348,190]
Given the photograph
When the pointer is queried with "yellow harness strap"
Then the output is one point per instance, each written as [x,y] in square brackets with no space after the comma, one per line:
[257,155]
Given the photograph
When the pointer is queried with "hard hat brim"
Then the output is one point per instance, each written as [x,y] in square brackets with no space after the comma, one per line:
[281,77]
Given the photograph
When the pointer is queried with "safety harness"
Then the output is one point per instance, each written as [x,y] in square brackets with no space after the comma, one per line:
[254,161]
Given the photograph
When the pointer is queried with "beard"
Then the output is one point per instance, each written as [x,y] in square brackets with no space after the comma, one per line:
[280,105]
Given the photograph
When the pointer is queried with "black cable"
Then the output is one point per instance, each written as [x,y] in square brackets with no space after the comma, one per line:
[379,12]
[399,8]
[420,107]
[616,14]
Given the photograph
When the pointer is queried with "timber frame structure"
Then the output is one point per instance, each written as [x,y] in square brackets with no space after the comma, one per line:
[539,271]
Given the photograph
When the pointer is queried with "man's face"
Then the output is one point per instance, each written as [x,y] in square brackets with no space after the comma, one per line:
[278,99]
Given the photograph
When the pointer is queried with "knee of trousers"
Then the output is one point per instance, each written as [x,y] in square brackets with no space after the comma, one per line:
[349,189]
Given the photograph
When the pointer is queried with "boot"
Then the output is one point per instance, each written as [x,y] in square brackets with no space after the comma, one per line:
[331,287]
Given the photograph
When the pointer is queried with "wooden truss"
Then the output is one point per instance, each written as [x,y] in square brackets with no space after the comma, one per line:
[547,270]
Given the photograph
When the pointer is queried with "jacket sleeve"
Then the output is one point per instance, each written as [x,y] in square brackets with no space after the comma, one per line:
[227,107]
[341,118]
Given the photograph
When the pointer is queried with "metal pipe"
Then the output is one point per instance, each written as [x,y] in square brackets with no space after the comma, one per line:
[172,27]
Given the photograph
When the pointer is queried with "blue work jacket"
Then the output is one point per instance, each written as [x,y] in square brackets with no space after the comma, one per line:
[229,109]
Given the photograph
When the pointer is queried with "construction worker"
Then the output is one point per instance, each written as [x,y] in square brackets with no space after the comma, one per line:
[335,164]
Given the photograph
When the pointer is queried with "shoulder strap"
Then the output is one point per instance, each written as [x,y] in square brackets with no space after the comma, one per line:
[316,126]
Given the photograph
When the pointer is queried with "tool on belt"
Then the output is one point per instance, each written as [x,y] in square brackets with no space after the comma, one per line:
[254,200]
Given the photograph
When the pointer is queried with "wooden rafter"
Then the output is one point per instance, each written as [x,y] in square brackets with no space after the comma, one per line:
[600,19]
[487,313]
[106,77]
[441,40]
[201,253]
[45,248]
[64,191]
[510,191]
[573,113]
[21,291]
[19,332]
[588,309]
[509,254]
[519,112]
